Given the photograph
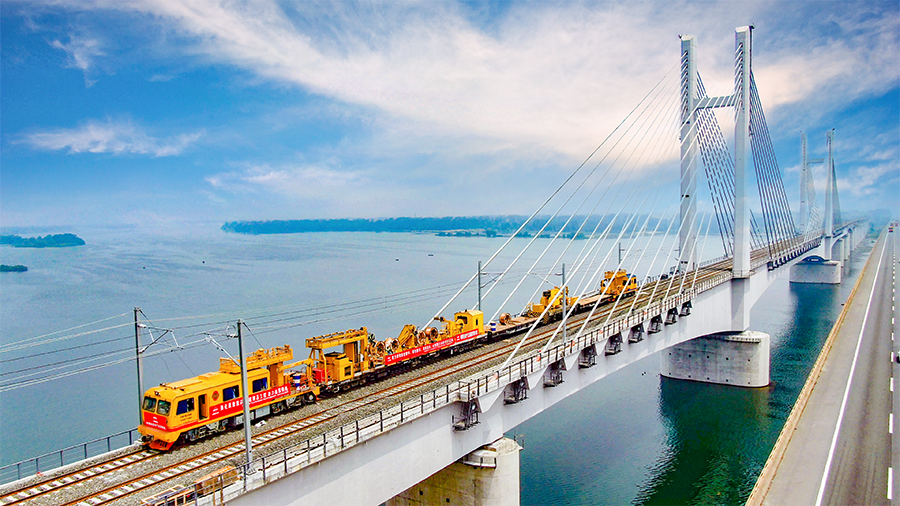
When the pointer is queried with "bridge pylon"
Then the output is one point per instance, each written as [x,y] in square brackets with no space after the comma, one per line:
[824,264]
[721,357]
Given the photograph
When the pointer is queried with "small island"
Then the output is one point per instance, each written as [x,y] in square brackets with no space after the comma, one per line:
[13,268]
[48,241]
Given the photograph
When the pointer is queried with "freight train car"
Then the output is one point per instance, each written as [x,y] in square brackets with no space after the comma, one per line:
[614,284]
[190,409]
[361,358]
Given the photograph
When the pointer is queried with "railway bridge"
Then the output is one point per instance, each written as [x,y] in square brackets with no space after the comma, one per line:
[394,443]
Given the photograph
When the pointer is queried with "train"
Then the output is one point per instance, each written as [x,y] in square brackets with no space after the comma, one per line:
[194,408]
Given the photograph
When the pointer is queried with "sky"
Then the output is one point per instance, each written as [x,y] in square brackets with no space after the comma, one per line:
[126,112]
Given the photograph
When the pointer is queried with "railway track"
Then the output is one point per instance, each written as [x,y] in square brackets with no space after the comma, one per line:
[185,467]
[657,290]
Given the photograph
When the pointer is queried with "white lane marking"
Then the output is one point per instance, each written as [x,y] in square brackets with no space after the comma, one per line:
[892,384]
[837,426]
[891,423]
[890,482]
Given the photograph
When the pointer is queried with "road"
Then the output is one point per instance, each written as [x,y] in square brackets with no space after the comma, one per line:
[840,452]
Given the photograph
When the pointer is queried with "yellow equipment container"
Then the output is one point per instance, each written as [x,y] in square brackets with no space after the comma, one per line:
[619,282]
[551,298]
[337,367]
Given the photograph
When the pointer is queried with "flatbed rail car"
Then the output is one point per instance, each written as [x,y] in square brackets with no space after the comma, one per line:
[193,408]
[362,358]
[613,284]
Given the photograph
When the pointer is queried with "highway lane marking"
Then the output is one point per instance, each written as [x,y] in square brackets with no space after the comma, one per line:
[890,480]
[837,426]
[892,385]
[890,423]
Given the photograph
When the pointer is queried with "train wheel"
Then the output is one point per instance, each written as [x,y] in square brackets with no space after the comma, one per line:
[310,398]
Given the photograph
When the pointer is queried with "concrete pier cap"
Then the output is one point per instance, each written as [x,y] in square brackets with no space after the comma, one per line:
[727,358]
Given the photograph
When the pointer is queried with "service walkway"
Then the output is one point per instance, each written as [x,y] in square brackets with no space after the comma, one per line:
[835,447]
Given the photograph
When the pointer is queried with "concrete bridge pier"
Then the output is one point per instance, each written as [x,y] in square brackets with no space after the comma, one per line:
[727,358]
[487,476]
[816,270]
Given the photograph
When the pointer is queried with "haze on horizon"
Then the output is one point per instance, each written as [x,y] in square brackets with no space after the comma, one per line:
[153,112]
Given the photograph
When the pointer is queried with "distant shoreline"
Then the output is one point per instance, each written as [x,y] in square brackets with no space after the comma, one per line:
[48,241]
[472,226]
[13,268]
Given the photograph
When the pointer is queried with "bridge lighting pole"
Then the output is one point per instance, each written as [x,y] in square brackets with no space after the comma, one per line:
[564,295]
[248,442]
[829,201]
[137,356]
[804,181]
[687,236]
[479,285]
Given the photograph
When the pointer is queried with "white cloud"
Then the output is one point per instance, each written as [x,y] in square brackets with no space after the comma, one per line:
[81,51]
[546,77]
[304,181]
[542,83]
[109,136]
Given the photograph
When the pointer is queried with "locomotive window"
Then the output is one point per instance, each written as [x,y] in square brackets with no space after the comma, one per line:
[260,384]
[149,404]
[162,407]
[230,393]
[185,406]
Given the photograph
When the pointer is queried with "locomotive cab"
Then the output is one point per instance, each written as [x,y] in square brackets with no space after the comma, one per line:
[464,322]
[195,407]
[619,282]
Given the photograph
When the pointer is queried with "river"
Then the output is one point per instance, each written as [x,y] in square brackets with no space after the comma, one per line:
[631,438]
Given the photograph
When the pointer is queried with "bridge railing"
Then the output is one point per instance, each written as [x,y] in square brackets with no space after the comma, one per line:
[274,465]
[68,455]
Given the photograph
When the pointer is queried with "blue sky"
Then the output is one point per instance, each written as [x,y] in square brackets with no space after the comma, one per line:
[141,111]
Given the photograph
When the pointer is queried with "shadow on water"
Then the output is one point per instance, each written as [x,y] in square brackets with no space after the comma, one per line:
[719,437]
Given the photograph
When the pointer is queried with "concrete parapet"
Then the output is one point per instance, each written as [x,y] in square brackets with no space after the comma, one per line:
[727,358]
[817,270]
[487,476]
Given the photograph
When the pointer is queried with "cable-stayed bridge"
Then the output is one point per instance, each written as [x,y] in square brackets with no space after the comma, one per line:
[618,211]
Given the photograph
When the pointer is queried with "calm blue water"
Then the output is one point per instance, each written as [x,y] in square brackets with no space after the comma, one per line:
[629,438]
[638,438]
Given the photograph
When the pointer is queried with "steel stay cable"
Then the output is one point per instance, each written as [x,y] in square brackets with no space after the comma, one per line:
[668,230]
[637,183]
[602,294]
[634,239]
[590,316]
[474,276]
[619,172]
[572,195]
[621,294]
